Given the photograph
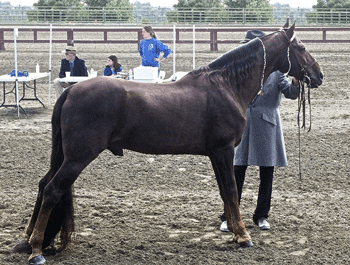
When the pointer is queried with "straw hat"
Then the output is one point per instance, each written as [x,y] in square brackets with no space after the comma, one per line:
[69,49]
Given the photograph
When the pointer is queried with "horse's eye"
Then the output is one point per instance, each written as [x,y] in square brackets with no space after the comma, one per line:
[301,45]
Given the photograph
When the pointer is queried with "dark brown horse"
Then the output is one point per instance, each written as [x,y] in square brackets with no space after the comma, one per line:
[204,113]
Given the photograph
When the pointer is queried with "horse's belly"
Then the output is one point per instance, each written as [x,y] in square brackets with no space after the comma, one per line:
[165,144]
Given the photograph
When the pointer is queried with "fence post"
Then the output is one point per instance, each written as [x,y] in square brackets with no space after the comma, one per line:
[35,36]
[105,36]
[70,38]
[213,40]
[177,35]
[2,44]
[324,34]
[139,37]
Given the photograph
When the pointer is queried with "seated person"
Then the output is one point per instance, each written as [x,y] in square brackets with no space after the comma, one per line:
[72,64]
[112,67]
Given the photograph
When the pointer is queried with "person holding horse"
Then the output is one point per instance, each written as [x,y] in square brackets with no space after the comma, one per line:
[71,63]
[150,48]
[262,142]
[112,67]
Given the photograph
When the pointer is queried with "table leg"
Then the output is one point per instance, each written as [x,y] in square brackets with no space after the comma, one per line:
[13,91]
[3,101]
[34,91]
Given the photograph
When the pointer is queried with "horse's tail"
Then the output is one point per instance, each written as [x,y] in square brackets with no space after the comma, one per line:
[62,215]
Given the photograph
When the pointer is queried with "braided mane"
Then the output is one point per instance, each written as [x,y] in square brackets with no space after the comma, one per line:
[235,66]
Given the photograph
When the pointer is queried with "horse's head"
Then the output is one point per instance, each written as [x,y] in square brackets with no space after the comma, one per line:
[300,62]
[296,61]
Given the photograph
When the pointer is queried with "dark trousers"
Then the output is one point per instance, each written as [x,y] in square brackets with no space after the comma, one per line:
[265,190]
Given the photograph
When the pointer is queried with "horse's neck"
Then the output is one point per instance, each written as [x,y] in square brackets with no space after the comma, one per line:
[273,51]
[255,80]
[270,62]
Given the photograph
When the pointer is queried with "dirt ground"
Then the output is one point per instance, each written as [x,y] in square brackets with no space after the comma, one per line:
[152,209]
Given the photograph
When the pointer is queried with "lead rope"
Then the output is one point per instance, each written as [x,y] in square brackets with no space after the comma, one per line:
[301,106]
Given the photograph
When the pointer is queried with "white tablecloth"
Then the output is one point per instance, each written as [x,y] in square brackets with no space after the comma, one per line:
[30,77]
[75,79]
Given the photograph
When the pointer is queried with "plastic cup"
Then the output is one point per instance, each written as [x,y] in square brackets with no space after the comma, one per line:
[67,74]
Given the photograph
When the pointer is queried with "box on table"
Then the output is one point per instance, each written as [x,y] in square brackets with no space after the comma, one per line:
[146,72]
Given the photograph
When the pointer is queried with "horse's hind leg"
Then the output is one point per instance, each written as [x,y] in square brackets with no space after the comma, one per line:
[42,184]
[51,195]
[222,161]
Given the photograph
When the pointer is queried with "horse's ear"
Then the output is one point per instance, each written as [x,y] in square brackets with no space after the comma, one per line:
[287,24]
[290,31]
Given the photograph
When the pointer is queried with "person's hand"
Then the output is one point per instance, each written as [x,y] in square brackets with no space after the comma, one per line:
[295,82]
[159,59]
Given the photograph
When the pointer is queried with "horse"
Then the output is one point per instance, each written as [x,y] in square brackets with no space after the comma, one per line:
[203,113]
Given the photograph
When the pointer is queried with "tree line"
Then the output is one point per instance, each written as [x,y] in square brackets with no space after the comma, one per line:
[185,11]
[330,12]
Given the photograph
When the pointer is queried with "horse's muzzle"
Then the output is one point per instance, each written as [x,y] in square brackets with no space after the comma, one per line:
[314,81]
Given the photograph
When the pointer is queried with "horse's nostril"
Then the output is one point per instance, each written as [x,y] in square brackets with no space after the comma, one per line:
[321,76]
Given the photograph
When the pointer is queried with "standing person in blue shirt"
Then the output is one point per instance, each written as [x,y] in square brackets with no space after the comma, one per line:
[150,48]
[112,67]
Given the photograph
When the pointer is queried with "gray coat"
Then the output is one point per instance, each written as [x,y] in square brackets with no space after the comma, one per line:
[262,142]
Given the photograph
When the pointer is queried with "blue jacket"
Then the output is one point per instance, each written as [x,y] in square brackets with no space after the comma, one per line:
[150,49]
[262,141]
[79,68]
[108,70]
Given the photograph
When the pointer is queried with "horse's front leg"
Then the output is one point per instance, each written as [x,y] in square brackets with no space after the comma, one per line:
[222,161]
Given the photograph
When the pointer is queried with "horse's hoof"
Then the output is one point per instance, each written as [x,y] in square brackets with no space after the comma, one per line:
[37,260]
[246,244]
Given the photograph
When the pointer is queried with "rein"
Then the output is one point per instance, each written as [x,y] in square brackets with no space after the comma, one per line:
[302,96]
[302,103]
[301,108]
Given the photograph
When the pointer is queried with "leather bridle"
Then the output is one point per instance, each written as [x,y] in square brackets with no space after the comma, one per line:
[304,67]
